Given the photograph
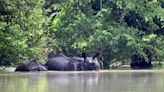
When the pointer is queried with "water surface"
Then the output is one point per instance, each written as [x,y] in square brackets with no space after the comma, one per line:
[103,81]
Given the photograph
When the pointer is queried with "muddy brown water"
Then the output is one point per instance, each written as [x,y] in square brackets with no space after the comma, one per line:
[92,81]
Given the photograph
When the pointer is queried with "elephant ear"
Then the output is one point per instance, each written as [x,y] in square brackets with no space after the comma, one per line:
[97,55]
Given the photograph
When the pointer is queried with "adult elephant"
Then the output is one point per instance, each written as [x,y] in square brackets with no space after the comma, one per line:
[61,62]
[31,66]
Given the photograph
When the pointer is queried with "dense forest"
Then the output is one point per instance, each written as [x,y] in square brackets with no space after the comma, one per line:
[117,28]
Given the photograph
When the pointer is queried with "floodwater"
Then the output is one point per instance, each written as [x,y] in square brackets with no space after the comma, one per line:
[93,81]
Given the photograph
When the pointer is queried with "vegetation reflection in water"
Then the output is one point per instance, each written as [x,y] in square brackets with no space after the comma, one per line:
[82,82]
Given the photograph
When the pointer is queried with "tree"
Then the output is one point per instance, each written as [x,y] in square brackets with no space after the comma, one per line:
[118,28]
[21,31]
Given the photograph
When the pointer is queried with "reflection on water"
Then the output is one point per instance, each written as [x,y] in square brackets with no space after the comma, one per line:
[82,82]
[75,78]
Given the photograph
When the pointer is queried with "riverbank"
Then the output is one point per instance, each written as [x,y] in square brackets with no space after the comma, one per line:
[7,69]
[124,68]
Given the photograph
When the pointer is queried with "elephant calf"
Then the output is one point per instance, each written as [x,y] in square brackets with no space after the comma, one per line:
[31,66]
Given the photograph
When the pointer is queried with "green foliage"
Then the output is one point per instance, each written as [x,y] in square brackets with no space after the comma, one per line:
[21,31]
[118,28]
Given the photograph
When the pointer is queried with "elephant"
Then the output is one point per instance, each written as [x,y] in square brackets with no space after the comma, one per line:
[33,65]
[61,62]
